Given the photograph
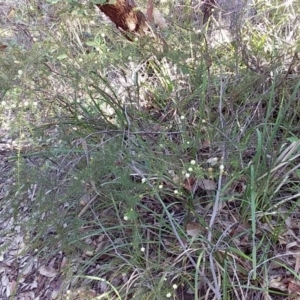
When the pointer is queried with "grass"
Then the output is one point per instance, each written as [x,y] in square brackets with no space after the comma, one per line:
[142,175]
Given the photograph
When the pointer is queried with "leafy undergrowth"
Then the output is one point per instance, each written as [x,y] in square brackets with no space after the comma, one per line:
[148,175]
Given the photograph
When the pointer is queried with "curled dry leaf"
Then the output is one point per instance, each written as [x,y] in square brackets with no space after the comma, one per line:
[174,176]
[189,183]
[212,160]
[85,199]
[28,268]
[278,283]
[193,229]
[207,184]
[63,262]
[89,253]
[47,271]
[294,287]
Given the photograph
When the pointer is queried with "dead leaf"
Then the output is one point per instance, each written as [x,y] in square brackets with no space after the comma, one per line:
[47,271]
[212,160]
[275,264]
[85,149]
[207,184]
[278,283]
[28,295]
[297,263]
[2,47]
[27,269]
[11,13]
[294,287]
[293,246]
[193,229]
[63,262]
[32,285]
[189,184]
[85,199]
[89,253]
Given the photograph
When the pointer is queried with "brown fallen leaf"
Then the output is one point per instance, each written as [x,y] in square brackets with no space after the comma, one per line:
[278,283]
[27,269]
[85,199]
[207,184]
[189,183]
[193,229]
[11,13]
[294,287]
[47,271]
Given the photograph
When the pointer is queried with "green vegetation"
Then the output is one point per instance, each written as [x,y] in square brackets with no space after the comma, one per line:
[142,174]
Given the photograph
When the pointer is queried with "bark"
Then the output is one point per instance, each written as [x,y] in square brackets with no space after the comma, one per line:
[126,15]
